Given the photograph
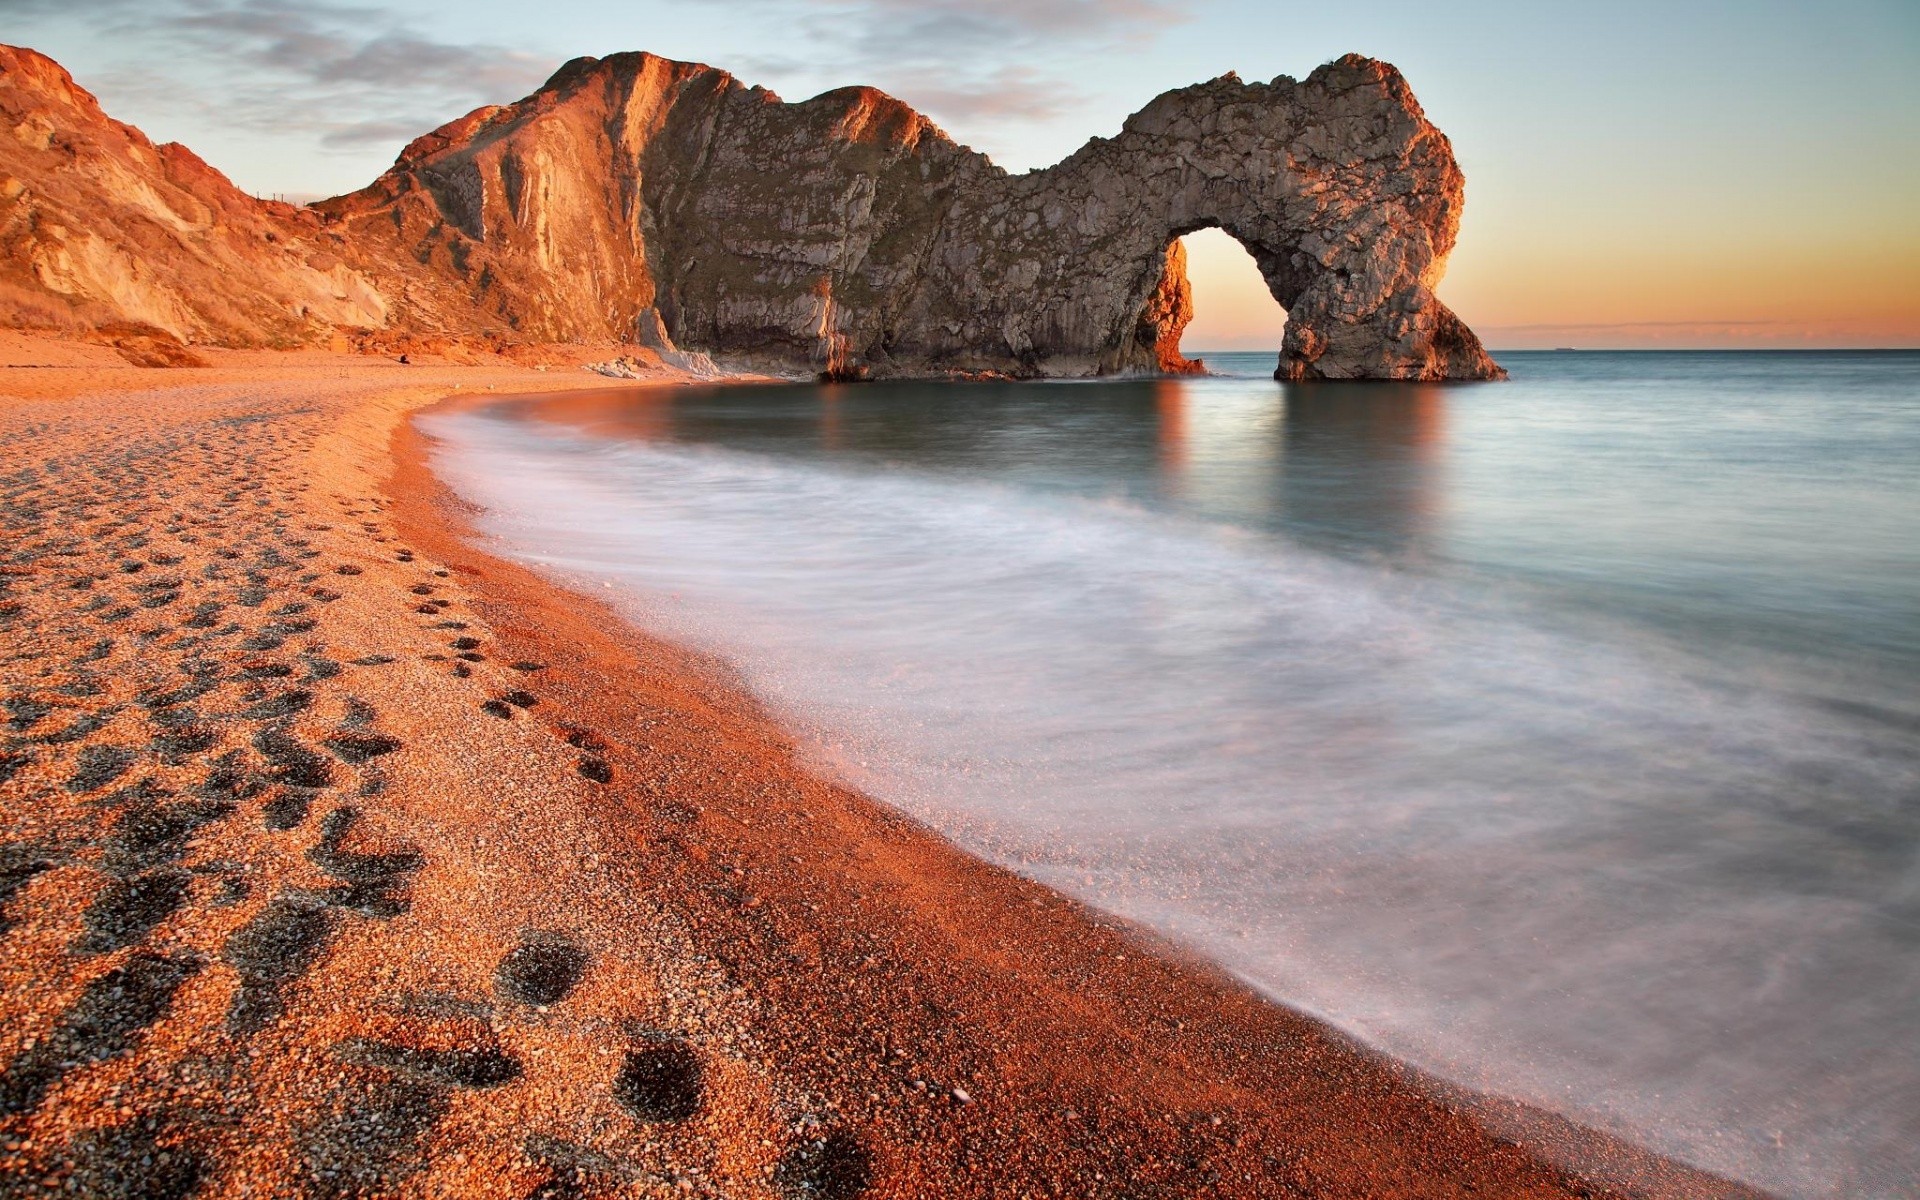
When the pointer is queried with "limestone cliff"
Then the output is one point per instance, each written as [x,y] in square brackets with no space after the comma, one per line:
[633,195]
[100,227]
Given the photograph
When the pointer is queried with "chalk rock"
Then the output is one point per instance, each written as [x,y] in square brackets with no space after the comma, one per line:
[669,205]
[100,228]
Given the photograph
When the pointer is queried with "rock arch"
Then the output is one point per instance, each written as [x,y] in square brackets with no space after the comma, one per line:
[847,230]
[1346,196]
[637,199]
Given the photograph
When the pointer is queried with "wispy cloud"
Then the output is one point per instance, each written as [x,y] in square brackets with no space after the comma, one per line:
[344,75]
[1007,93]
[977,61]
[338,45]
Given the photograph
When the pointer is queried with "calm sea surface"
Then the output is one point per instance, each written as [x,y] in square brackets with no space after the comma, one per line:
[1561,736]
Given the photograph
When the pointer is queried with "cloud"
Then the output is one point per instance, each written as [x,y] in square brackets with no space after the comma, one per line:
[975,61]
[345,76]
[333,45]
[35,8]
[358,135]
[1009,92]
[940,24]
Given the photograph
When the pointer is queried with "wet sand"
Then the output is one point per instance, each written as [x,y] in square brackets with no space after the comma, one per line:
[340,858]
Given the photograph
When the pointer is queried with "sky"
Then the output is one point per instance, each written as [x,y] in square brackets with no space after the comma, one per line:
[1687,173]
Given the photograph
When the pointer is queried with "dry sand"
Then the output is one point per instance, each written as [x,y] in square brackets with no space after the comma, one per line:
[342,859]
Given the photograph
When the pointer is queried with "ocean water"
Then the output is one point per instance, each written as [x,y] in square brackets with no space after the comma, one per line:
[1561,736]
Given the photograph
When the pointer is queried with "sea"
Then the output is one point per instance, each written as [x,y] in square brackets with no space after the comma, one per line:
[1560,736]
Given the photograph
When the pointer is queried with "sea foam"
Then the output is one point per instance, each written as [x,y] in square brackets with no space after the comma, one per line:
[1545,856]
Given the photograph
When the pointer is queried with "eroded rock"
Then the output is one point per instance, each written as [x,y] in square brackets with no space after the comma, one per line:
[670,206]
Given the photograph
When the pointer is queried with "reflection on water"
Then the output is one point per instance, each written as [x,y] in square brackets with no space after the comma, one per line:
[1170,402]
[1562,736]
[1715,495]
[1354,464]
[1364,463]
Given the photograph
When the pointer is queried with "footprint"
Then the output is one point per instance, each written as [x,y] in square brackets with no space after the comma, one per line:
[284,705]
[231,779]
[369,1139]
[13,764]
[98,766]
[497,708]
[376,884]
[271,951]
[287,810]
[292,763]
[129,909]
[141,1159]
[19,863]
[26,712]
[659,1083]
[151,832]
[179,742]
[833,1167]
[186,693]
[465,1066]
[360,747]
[596,769]
[542,970]
[103,1023]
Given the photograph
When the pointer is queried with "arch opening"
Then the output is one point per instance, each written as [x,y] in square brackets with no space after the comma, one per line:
[1233,309]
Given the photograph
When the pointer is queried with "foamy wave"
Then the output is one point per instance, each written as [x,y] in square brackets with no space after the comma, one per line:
[1555,858]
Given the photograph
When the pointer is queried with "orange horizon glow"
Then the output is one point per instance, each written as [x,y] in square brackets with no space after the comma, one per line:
[1612,297]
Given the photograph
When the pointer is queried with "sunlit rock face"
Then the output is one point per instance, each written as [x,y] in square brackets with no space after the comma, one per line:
[1347,197]
[101,227]
[848,234]
[848,227]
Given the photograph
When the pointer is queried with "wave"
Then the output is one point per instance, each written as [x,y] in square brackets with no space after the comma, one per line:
[1533,852]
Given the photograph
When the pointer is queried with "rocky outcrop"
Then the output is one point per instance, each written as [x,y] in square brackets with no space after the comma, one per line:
[637,199]
[102,229]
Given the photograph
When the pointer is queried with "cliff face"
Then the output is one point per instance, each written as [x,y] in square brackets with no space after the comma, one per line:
[99,226]
[846,232]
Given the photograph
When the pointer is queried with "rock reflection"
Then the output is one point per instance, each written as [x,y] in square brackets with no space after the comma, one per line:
[1363,465]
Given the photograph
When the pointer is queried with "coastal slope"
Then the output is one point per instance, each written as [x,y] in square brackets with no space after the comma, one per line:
[638,199]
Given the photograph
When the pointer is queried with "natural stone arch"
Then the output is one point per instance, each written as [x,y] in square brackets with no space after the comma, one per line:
[642,200]
[1169,311]
[847,232]
[1346,196]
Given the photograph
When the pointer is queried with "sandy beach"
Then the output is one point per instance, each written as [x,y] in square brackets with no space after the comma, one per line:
[343,859]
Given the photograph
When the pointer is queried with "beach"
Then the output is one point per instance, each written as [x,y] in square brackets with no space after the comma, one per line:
[342,857]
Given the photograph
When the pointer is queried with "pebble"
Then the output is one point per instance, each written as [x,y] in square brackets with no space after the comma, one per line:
[960,1096]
